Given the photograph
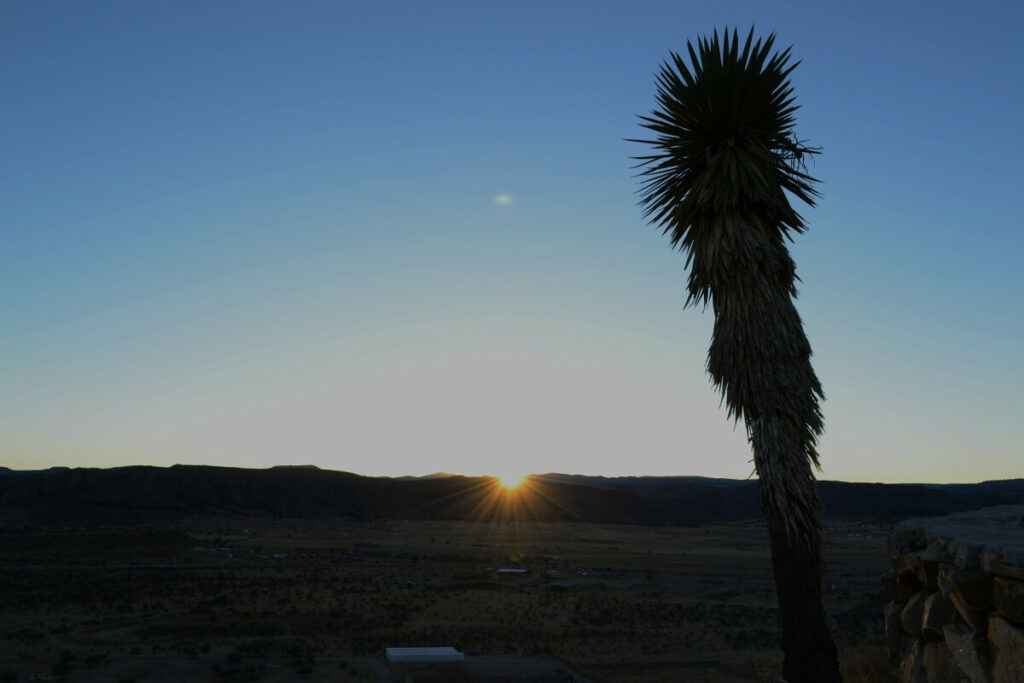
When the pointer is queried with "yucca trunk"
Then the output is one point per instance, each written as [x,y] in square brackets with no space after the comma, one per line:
[760,358]
[810,653]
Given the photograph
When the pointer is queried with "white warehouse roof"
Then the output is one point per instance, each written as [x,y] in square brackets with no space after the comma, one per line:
[423,655]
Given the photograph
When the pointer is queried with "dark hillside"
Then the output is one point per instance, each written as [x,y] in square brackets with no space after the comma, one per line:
[133,494]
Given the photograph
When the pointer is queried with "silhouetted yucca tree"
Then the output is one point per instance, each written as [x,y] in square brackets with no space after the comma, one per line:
[724,158]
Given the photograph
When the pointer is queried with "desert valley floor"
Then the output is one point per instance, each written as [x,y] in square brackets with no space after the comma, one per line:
[221,599]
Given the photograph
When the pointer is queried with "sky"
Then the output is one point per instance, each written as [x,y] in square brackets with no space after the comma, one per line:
[403,237]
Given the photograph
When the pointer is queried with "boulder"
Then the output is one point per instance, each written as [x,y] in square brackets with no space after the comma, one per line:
[901,586]
[905,539]
[910,617]
[937,612]
[894,631]
[1008,597]
[973,585]
[992,562]
[938,664]
[927,565]
[1006,649]
[923,564]
[911,668]
[977,619]
[961,643]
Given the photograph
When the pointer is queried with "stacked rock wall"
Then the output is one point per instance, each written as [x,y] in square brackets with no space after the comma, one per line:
[957,598]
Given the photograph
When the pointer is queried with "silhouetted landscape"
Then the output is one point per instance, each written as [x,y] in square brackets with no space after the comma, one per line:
[133,494]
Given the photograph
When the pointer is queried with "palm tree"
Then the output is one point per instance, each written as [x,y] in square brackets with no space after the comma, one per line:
[724,159]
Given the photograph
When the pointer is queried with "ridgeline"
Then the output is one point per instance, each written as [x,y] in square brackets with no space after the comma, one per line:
[138,494]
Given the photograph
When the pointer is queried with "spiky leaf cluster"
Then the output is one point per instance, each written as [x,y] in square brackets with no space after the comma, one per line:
[725,155]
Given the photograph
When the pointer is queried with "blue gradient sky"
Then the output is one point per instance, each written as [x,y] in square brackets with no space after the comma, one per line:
[255,233]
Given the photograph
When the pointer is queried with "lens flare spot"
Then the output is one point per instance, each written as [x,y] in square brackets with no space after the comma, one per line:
[502,199]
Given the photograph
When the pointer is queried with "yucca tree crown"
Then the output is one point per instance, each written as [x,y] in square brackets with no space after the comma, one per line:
[725,155]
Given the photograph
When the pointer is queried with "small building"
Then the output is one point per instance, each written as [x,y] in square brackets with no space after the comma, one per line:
[423,655]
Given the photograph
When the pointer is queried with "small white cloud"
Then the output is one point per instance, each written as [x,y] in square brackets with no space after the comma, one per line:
[502,199]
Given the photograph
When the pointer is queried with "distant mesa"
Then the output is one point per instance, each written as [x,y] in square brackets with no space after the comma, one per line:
[435,475]
[126,495]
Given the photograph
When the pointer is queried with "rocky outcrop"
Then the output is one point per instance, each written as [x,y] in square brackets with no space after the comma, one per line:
[957,598]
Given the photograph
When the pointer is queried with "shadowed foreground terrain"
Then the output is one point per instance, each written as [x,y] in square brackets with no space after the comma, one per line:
[222,598]
[218,574]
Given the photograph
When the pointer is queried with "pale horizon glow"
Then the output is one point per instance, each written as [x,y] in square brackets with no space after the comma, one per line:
[257,234]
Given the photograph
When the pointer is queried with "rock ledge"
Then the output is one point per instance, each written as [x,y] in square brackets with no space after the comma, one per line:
[957,597]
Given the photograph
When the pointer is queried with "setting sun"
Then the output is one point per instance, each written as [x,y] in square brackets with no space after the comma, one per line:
[511,480]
